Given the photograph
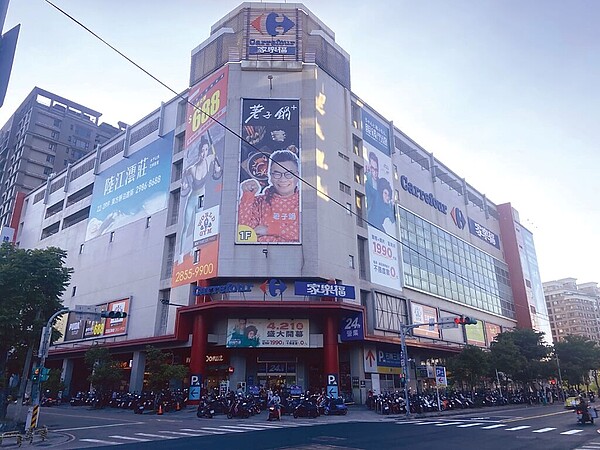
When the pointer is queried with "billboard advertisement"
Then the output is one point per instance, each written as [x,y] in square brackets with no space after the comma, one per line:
[269,173]
[273,34]
[475,335]
[279,333]
[197,247]
[383,249]
[133,188]
[491,331]
[77,329]
[422,314]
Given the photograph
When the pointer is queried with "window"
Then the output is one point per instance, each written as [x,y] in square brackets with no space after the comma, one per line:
[52,146]
[344,157]
[50,158]
[395,172]
[362,257]
[57,123]
[357,145]
[148,221]
[351,261]
[348,208]
[81,248]
[55,134]
[359,200]
[73,291]
[196,256]
[358,173]
[200,201]
[112,236]
[396,195]
[344,188]
[355,111]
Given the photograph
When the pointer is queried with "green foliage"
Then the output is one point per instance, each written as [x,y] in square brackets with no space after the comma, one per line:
[54,384]
[32,282]
[521,354]
[161,370]
[469,366]
[578,356]
[106,373]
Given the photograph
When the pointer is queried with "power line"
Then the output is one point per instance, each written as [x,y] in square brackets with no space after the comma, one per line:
[297,176]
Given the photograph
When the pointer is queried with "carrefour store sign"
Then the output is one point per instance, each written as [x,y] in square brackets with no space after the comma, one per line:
[426,197]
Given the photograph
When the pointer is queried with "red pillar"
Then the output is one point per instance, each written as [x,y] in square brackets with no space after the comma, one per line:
[199,347]
[330,346]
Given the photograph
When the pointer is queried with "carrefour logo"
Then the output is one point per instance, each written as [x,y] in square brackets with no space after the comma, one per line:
[458,217]
[274,25]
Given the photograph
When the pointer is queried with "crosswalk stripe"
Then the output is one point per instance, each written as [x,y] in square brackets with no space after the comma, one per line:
[98,441]
[222,429]
[161,436]
[128,438]
[522,427]
[447,424]
[491,427]
[572,432]
[467,425]
[179,433]
[203,431]
[427,423]
[543,430]
[242,427]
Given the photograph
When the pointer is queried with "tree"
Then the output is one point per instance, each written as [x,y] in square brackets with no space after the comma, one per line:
[161,370]
[31,282]
[521,354]
[106,373]
[469,366]
[578,356]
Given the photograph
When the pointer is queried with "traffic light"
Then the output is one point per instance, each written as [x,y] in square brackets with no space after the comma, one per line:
[35,374]
[465,321]
[45,374]
[113,314]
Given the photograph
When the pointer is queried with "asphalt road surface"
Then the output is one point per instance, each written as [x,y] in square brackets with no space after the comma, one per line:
[517,427]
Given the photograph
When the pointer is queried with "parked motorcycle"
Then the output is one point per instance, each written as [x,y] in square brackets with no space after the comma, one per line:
[306,408]
[205,410]
[274,413]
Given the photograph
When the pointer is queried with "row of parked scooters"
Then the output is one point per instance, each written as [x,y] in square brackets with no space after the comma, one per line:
[167,400]
[244,406]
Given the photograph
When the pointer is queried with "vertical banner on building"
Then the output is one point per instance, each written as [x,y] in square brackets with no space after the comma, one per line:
[197,248]
[383,248]
[269,177]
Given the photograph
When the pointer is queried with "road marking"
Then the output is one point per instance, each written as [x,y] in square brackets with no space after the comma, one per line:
[516,419]
[204,432]
[448,424]
[469,425]
[427,423]
[491,427]
[522,427]
[235,430]
[543,430]
[179,433]
[127,438]
[161,436]
[243,427]
[98,441]
[101,426]
[572,432]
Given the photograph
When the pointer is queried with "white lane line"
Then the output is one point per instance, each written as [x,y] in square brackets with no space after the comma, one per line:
[234,430]
[467,425]
[160,436]
[447,424]
[269,426]
[409,422]
[179,433]
[572,432]
[98,441]
[522,427]
[427,423]
[101,426]
[202,432]
[491,427]
[543,430]
[128,438]
[243,427]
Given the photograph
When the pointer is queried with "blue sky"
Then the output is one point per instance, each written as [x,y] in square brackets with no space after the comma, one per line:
[505,93]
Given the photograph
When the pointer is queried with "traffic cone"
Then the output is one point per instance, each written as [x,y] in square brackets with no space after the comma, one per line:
[160,411]
[177,406]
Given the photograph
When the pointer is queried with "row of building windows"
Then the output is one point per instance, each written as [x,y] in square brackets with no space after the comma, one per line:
[439,263]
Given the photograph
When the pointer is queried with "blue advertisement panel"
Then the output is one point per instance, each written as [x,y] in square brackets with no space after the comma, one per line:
[352,327]
[310,288]
[383,249]
[269,180]
[135,187]
[484,234]
[389,359]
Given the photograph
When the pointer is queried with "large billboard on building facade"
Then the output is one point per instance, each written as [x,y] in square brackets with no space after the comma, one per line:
[423,314]
[383,246]
[78,328]
[269,174]
[273,35]
[133,188]
[197,247]
[274,333]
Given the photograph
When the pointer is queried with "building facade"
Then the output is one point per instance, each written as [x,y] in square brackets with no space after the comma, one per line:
[573,308]
[44,135]
[270,228]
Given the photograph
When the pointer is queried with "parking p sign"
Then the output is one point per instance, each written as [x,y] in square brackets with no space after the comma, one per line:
[440,376]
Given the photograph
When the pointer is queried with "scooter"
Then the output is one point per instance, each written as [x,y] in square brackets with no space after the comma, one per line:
[585,415]
[274,413]
[205,410]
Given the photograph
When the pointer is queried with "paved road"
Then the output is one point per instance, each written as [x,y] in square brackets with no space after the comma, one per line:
[490,428]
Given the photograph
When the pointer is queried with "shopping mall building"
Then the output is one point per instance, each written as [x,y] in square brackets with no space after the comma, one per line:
[269,227]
